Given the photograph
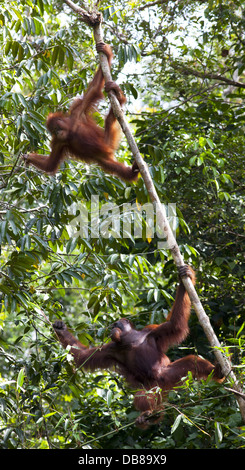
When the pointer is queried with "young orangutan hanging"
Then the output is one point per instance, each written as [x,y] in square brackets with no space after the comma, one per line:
[76,134]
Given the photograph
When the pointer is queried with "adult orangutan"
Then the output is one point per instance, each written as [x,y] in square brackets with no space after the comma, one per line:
[140,355]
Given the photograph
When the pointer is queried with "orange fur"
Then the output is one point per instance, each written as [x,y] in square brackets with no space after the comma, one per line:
[76,134]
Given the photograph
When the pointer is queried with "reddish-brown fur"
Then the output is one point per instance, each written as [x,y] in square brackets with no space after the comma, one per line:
[77,135]
[139,355]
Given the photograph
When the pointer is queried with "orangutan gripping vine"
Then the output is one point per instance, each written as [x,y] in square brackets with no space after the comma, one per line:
[77,135]
[139,355]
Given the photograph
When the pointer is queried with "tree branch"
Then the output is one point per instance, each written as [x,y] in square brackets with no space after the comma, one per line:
[163,222]
[210,75]
[91,18]
[150,4]
[4,185]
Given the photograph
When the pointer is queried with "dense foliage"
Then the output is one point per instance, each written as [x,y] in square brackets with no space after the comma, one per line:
[181,65]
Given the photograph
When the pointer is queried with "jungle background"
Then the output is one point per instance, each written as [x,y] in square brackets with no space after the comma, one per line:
[181,65]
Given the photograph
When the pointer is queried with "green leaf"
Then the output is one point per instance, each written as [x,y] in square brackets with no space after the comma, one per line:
[218,433]
[176,423]
[20,379]
[210,143]
[202,141]
[71,245]
[61,56]
[109,397]
[55,55]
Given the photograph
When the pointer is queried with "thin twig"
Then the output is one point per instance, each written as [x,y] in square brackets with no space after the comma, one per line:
[210,75]
[11,172]
[235,391]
